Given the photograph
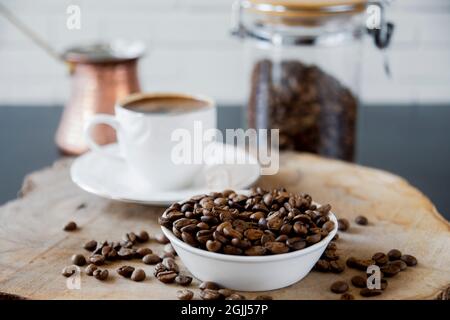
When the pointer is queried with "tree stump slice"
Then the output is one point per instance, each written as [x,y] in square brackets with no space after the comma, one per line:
[34,248]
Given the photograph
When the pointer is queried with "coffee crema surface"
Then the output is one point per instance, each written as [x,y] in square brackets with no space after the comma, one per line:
[164,105]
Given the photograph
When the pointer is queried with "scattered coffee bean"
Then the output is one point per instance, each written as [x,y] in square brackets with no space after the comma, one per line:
[138,275]
[142,236]
[347,296]
[70,226]
[125,271]
[209,294]
[361,220]
[126,253]
[400,263]
[337,266]
[130,237]
[151,259]
[209,285]
[226,292]
[359,264]
[343,224]
[170,264]
[410,260]
[394,254]
[167,276]
[97,259]
[100,274]
[68,271]
[142,252]
[322,265]
[380,258]
[78,260]
[390,270]
[359,281]
[183,280]
[185,294]
[235,296]
[339,287]
[370,292]
[90,269]
[90,245]
[161,238]
[263,297]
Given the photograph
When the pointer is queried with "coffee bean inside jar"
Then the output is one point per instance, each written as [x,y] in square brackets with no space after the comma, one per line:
[262,223]
[313,110]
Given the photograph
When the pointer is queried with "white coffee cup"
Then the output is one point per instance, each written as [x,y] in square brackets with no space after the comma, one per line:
[145,135]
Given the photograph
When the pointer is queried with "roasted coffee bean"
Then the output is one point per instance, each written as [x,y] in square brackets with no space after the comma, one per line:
[189,239]
[168,255]
[367,293]
[312,239]
[209,294]
[209,285]
[322,265]
[78,260]
[276,247]
[241,244]
[394,254]
[336,237]
[296,243]
[230,232]
[330,255]
[213,245]
[68,271]
[142,252]
[410,260]
[347,296]
[263,297]
[166,276]
[380,258]
[142,236]
[383,284]
[337,266]
[138,275]
[185,294]
[328,226]
[151,259]
[332,246]
[90,269]
[253,234]
[90,245]
[390,270]
[126,254]
[359,264]
[359,281]
[339,287]
[343,224]
[70,226]
[300,229]
[226,292]
[399,263]
[159,268]
[235,296]
[109,253]
[126,244]
[227,249]
[361,220]
[97,259]
[125,271]
[100,274]
[183,280]
[161,238]
[131,237]
[170,264]
[282,238]
[255,251]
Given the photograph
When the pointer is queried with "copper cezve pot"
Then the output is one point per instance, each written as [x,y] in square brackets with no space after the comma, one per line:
[101,74]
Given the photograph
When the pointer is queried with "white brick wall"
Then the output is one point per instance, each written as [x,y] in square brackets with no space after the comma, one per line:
[190,49]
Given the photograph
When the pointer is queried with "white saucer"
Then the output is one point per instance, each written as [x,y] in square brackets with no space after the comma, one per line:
[111,178]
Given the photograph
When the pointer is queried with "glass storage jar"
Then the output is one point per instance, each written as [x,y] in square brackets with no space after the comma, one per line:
[304,65]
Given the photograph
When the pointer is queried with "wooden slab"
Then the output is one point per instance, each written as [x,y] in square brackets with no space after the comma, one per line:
[34,249]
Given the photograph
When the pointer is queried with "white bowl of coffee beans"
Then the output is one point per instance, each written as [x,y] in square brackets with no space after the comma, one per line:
[253,240]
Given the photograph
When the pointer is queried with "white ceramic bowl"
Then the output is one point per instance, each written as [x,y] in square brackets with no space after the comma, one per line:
[244,273]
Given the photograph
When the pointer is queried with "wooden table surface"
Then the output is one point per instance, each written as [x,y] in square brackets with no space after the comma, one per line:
[34,248]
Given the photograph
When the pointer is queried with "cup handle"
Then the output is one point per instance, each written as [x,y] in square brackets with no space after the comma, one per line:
[94,121]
